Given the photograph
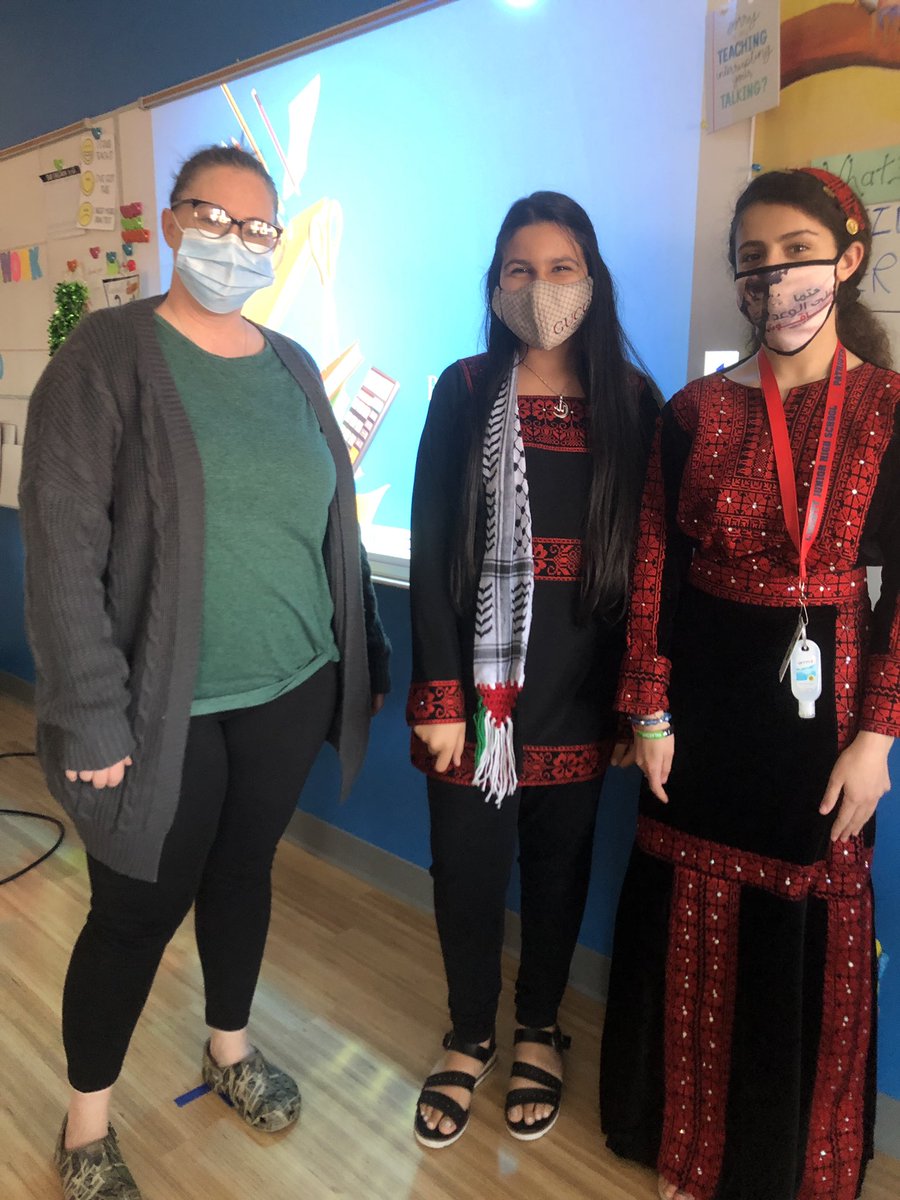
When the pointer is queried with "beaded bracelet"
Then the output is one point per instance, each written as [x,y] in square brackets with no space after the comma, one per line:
[653,734]
[638,721]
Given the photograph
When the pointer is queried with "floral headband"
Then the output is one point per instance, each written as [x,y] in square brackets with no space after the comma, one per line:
[844,196]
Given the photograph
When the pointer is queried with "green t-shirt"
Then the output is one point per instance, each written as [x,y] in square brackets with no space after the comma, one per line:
[268,481]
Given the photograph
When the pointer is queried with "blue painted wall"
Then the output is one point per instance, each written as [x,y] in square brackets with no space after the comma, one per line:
[63,61]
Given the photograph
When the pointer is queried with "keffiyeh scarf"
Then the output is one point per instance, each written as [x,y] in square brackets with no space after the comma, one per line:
[505,593]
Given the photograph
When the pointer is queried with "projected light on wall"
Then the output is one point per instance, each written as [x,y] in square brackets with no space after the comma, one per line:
[398,152]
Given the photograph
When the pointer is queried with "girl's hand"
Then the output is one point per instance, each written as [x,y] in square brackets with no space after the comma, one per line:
[654,758]
[108,777]
[445,743]
[860,776]
[654,755]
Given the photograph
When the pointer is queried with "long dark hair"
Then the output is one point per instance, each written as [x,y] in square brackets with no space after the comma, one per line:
[219,156]
[611,387]
[857,326]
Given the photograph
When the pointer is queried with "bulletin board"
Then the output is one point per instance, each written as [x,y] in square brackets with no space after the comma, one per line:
[62,219]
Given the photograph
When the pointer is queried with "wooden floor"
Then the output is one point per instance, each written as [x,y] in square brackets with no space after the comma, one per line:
[351,1001]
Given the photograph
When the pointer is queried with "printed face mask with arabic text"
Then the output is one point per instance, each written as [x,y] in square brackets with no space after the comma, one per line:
[788,304]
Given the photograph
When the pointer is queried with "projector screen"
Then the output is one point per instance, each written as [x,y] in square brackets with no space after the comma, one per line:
[397,153]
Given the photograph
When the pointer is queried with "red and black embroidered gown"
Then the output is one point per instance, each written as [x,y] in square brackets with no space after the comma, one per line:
[738,1051]
[565,720]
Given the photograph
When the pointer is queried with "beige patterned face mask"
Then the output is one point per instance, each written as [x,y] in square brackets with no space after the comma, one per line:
[542,314]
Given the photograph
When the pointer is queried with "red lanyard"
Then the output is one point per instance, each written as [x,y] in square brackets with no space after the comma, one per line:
[784,462]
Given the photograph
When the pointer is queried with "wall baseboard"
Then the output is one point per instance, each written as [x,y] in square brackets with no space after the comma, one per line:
[412,884]
[19,689]
[887,1126]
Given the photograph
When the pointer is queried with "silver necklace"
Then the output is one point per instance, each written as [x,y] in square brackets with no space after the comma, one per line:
[560,409]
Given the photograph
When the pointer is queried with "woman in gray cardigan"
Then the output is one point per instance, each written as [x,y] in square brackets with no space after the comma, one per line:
[202,620]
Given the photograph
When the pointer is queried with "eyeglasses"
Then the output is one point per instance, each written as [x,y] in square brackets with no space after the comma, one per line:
[214,222]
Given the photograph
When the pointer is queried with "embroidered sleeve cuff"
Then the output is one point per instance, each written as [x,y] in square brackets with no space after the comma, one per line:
[436,702]
[881,701]
[643,685]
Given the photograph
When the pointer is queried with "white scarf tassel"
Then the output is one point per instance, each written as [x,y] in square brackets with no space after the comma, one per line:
[496,771]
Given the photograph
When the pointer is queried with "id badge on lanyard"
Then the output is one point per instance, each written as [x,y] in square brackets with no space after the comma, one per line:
[803,655]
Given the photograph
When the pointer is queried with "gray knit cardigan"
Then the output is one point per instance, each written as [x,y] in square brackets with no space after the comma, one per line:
[112,518]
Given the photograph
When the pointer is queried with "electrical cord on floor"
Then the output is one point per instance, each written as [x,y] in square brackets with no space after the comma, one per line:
[20,812]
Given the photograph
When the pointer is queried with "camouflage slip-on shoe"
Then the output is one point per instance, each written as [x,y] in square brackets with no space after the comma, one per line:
[266,1097]
[95,1171]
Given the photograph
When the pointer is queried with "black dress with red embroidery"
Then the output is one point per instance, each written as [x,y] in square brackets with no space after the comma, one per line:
[564,721]
[738,1055]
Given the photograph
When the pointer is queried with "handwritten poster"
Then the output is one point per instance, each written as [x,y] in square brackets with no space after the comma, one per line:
[20,265]
[61,198]
[881,286]
[59,171]
[97,204]
[122,290]
[743,60]
[873,174]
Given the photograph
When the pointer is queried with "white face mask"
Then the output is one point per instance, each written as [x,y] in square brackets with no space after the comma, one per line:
[788,304]
[543,314]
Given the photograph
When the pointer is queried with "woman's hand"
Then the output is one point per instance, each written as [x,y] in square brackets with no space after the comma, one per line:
[377,703]
[108,777]
[445,743]
[859,779]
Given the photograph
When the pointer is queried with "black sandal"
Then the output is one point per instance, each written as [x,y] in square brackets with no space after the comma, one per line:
[487,1055]
[549,1090]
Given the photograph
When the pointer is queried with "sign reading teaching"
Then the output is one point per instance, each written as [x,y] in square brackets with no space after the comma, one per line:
[743,60]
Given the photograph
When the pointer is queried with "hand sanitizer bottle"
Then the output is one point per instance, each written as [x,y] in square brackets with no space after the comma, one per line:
[806,676]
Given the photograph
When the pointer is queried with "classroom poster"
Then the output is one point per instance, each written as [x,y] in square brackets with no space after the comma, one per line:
[743,72]
[873,174]
[123,289]
[840,81]
[840,104]
[60,176]
[98,180]
[881,287]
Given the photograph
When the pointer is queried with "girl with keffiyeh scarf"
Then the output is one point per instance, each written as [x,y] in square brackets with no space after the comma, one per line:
[524,513]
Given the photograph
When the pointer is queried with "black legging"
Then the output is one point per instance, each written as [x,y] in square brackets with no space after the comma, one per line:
[472,849]
[242,776]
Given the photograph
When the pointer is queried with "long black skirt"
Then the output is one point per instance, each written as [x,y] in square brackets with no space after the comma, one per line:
[739,1046]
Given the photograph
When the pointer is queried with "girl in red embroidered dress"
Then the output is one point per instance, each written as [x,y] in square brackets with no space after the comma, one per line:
[556,403]
[738,1051]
